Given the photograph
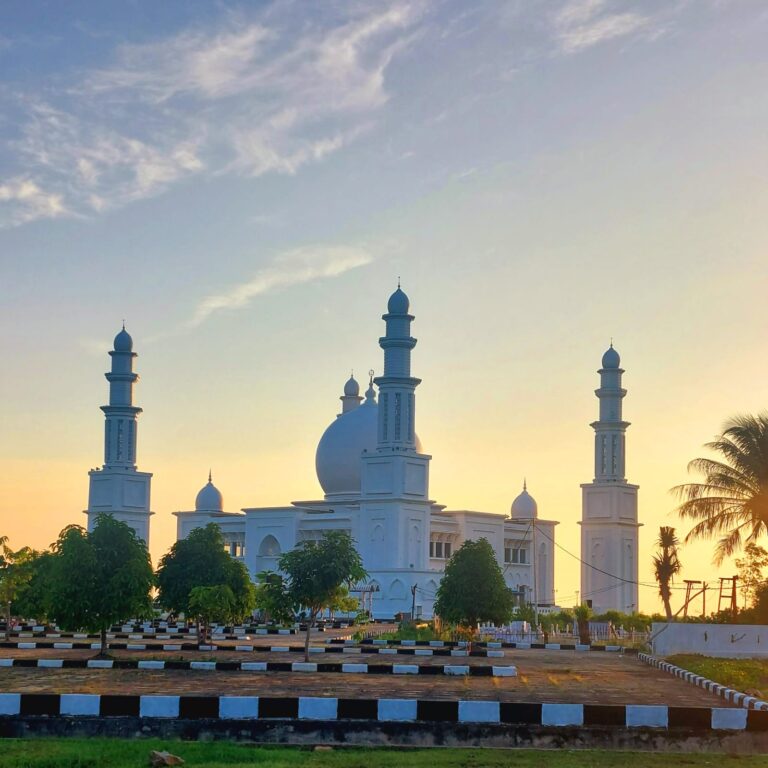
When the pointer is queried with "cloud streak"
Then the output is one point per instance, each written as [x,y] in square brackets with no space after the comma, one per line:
[582,24]
[300,265]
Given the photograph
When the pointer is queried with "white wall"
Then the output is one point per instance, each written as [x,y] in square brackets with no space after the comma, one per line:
[731,641]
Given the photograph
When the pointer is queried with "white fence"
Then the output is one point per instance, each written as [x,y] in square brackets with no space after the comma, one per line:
[730,641]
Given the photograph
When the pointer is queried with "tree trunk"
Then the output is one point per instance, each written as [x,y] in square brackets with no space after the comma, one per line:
[7,620]
[103,649]
[310,624]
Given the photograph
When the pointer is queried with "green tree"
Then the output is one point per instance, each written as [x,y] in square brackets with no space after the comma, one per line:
[751,571]
[15,572]
[211,604]
[99,578]
[272,597]
[316,570]
[732,501]
[200,560]
[583,613]
[666,565]
[33,599]
[473,589]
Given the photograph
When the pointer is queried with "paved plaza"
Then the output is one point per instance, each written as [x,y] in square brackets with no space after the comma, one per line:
[543,676]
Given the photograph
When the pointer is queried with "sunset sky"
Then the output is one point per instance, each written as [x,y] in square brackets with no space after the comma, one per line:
[244,183]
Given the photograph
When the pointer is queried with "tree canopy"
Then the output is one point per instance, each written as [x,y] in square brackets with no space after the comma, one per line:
[732,501]
[272,597]
[200,560]
[473,589]
[15,573]
[99,578]
[316,570]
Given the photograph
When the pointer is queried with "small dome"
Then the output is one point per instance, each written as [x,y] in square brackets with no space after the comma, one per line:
[398,303]
[524,507]
[209,499]
[123,341]
[611,358]
[351,388]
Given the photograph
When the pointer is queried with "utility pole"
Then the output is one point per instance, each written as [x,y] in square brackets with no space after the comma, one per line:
[413,602]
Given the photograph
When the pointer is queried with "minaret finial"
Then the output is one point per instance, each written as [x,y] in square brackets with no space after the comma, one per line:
[370,378]
[611,342]
[398,281]
[210,477]
[525,484]
[123,323]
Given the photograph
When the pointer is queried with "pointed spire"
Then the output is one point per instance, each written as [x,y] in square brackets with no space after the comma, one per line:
[210,478]
[525,484]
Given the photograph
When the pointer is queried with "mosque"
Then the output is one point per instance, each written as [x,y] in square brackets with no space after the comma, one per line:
[374,474]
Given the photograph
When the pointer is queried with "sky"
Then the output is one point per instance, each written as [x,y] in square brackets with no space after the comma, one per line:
[244,183]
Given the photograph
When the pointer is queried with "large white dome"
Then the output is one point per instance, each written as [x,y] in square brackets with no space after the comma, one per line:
[337,460]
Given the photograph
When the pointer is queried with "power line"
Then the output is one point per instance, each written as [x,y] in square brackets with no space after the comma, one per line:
[600,570]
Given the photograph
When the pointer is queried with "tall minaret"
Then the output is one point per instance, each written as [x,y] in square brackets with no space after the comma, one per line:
[609,527]
[394,503]
[118,488]
[397,399]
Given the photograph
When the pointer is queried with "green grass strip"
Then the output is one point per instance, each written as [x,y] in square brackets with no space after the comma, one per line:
[125,753]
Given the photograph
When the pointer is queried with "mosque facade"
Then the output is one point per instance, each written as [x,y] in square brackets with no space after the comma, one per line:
[374,473]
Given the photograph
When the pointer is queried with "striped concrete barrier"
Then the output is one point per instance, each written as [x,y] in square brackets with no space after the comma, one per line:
[730,695]
[267,666]
[553,715]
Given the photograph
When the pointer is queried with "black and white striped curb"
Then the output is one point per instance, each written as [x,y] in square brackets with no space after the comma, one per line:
[486,644]
[181,634]
[381,710]
[323,649]
[729,694]
[486,670]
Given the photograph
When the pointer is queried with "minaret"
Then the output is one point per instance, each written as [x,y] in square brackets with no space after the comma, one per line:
[609,527]
[394,503]
[397,399]
[118,488]
[610,439]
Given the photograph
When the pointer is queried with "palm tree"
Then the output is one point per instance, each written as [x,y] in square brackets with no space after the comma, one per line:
[666,565]
[732,502]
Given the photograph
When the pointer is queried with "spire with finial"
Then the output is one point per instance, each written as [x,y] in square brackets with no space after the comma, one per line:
[210,477]
[370,393]
[525,484]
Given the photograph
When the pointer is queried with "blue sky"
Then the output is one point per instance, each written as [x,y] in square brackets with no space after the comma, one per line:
[244,183]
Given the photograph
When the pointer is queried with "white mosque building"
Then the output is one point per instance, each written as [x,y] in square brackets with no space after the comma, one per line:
[374,475]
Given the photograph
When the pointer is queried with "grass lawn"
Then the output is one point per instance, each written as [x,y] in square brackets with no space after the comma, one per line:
[741,674]
[119,753]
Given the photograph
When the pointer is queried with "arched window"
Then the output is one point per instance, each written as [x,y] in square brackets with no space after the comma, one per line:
[269,547]
[397,590]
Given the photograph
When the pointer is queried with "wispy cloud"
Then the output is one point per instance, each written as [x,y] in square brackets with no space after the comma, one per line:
[581,24]
[256,94]
[28,201]
[300,265]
